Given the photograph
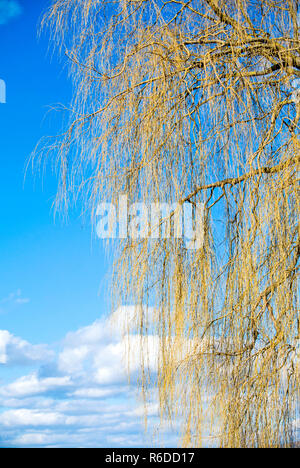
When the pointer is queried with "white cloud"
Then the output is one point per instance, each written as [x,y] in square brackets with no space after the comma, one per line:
[27,417]
[78,396]
[15,351]
[71,359]
[126,318]
[97,392]
[30,385]
[105,351]
[9,9]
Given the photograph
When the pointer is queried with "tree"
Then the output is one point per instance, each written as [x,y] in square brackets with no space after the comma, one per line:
[198,101]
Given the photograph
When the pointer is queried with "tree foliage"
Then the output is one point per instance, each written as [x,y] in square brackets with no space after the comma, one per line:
[199,101]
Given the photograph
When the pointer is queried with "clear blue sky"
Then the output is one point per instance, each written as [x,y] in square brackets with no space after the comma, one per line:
[52,263]
[61,378]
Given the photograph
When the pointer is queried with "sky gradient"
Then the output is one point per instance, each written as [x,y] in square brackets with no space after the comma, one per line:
[62,380]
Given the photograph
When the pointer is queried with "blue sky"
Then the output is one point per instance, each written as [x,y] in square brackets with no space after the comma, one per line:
[62,381]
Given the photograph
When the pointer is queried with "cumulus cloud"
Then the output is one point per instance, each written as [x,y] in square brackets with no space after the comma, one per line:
[9,9]
[105,352]
[78,395]
[296,424]
[15,351]
[32,385]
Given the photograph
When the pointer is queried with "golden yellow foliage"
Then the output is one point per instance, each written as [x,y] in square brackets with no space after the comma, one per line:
[198,100]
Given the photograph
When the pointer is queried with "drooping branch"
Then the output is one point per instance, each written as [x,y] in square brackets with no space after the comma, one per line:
[238,180]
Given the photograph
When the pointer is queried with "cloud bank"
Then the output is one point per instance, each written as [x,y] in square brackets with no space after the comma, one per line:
[15,351]
[77,395]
